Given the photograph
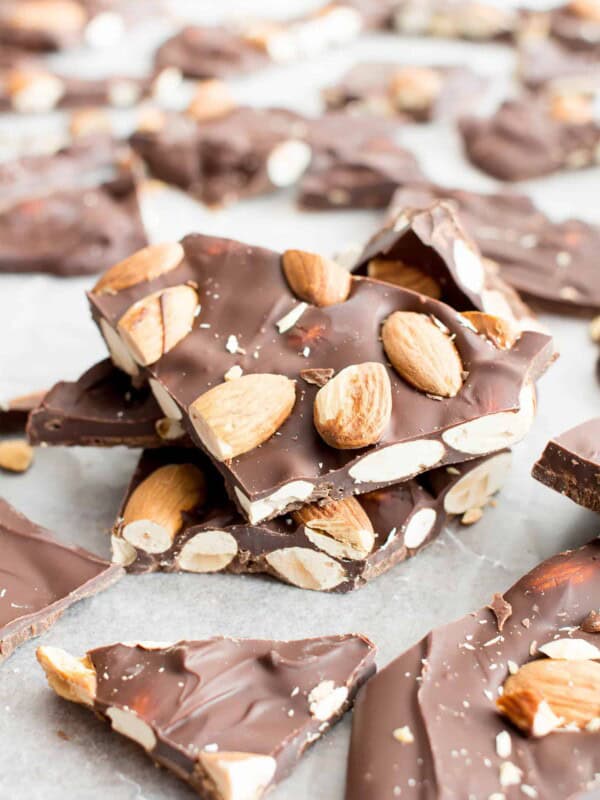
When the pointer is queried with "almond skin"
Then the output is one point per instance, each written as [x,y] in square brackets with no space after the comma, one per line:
[571,689]
[422,353]
[237,416]
[154,325]
[145,265]
[401,274]
[316,280]
[344,520]
[501,332]
[353,409]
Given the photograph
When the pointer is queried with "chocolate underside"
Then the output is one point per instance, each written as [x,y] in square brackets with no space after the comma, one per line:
[335,337]
[549,262]
[40,578]
[570,464]
[437,689]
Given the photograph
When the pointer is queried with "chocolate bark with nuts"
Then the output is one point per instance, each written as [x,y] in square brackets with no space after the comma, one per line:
[338,547]
[187,704]
[576,25]
[530,137]
[257,324]
[427,725]
[246,151]
[512,232]
[456,19]
[14,412]
[410,92]
[570,464]
[41,578]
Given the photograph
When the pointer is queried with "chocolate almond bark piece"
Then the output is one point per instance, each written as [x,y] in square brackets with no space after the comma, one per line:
[434,722]
[338,547]
[187,704]
[570,464]
[530,137]
[41,578]
[512,232]
[410,92]
[576,25]
[456,19]
[258,325]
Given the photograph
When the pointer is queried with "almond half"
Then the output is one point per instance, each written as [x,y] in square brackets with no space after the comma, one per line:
[315,279]
[153,514]
[547,694]
[501,332]
[401,274]
[353,409]
[422,353]
[346,521]
[145,265]
[237,416]
[156,323]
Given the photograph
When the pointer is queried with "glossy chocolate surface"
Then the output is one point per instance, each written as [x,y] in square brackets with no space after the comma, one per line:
[444,690]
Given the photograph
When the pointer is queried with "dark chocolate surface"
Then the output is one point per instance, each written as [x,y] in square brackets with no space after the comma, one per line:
[570,464]
[40,578]
[444,690]
[547,261]
[332,337]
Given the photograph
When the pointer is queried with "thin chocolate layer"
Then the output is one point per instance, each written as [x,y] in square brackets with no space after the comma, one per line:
[237,326]
[214,537]
[14,413]
[426,726]
[545,261]
[40,578]
[570,464]
[523,140]
[229,716]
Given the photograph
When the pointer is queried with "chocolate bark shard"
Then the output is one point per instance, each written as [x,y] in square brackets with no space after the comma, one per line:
[570,464]
[512,232]
[187,703]
[14,412]
[523,139]
[296,465]
[41,578]
[443,692]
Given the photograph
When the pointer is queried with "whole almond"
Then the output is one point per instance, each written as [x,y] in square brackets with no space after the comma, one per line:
[315,279]
[156,323]
[15,455]
[145,265]
[212,99]
[401,274]
[237,416]
[422,353]
[571,690]
[353,409]
[501,332]
[345,520]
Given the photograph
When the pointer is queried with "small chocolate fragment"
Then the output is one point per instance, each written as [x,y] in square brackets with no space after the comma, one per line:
[591,624]
[526,138]
[187,704]
[41,578]
[427,725]
[570,464]
[502,610]
[456,19]
[15,412]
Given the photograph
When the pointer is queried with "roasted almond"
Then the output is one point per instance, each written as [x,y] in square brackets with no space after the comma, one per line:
[315,279]
[153,514]
[401,274]
[87,121]
[15,455]
[145,265]
[156,323]
[344,520]
[422,353]
[415,88]
[61,16]
[70,677]
[212,99]
[502,333]
[575,109]
[586,9]
[547,694]
[353,409]
[237,416]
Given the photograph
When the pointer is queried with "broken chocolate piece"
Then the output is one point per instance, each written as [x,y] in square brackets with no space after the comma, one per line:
[502,610]
[528,137]
[41,578]
[15,412]
[570,464]
[238,326]
[456,19]
[432,712]
[338,547]
[525,244]
[409,92]
[187,703]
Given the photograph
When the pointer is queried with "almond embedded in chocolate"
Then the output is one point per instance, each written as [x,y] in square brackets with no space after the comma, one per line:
[503,333]
[212,99]
[415,88]
[316,279]
[145,265]
[405,275]
[344,520]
